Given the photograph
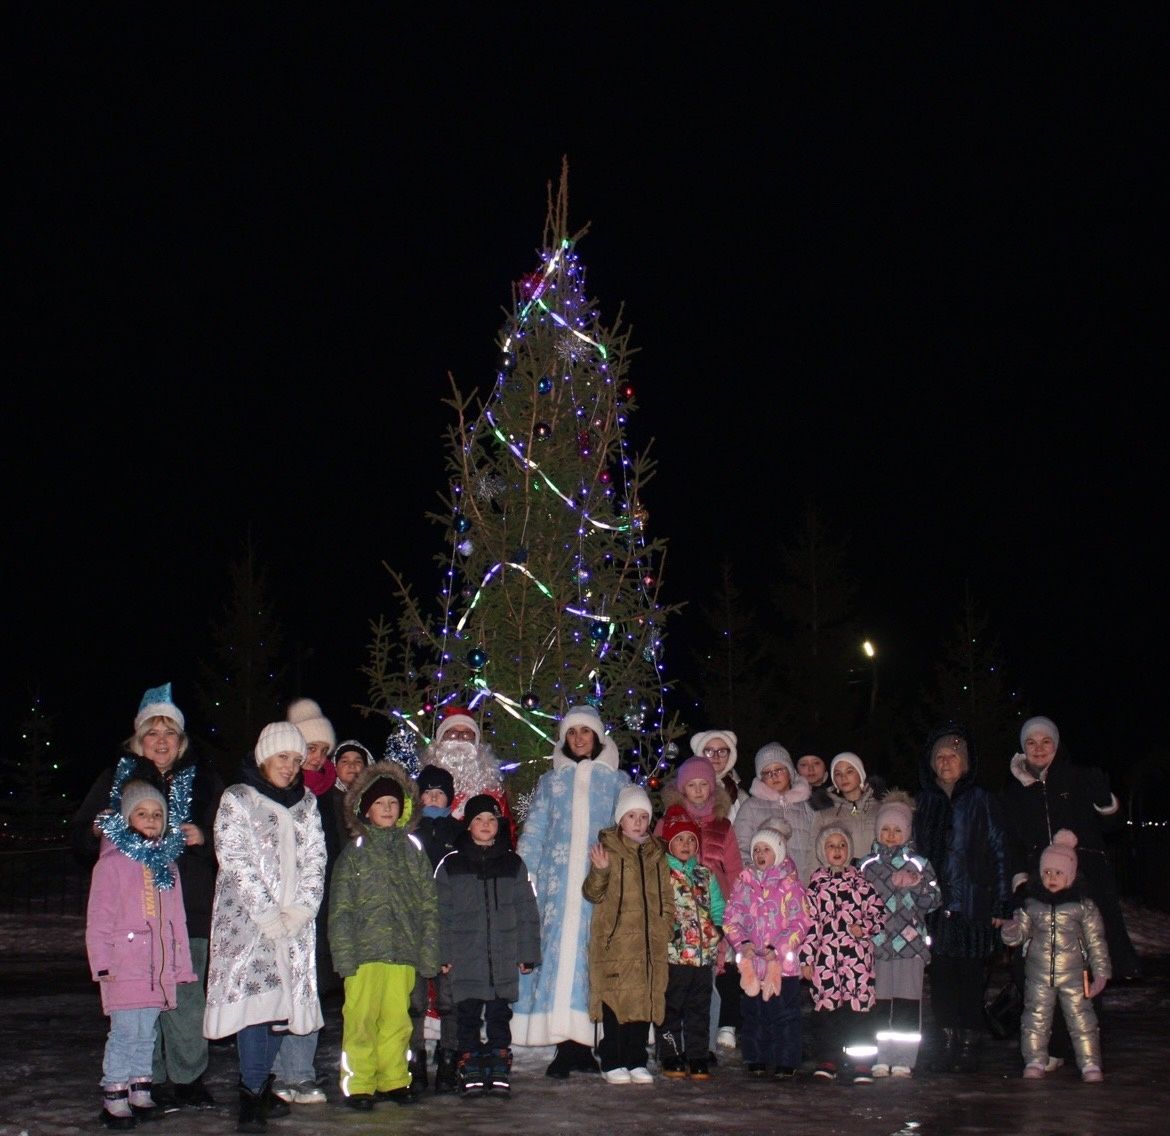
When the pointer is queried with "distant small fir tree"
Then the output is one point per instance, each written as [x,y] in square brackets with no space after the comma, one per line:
[969,686]
[550,591]
[240,689]
[34,806]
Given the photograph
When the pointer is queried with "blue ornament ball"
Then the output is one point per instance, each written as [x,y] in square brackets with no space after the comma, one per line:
[477,658]
[597,630]
[545,384]
[462,523]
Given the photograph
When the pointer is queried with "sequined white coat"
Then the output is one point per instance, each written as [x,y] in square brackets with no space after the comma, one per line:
[270,857]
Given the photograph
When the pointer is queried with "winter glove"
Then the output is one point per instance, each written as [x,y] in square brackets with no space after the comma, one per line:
[773,977]
[294,918]
[1096,986]
[906,878]
[271,927]
[749,981]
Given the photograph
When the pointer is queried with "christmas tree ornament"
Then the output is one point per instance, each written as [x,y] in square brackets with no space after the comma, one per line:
[488,486]
[648,580]
[626,392]
[465,548]
[462,523]
[542,431]
[428,707]
[545,384]
[605,477]
[477,658]
[530,701]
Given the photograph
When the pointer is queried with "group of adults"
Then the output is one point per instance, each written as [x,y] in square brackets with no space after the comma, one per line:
[982,846]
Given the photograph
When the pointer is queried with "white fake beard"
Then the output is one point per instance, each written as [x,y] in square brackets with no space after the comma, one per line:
[472,770]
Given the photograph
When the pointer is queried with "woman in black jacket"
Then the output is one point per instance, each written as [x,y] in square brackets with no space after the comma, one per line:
[958,827]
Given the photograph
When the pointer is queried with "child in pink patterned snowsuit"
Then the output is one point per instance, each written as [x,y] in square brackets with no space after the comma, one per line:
[765,921]
[838,958]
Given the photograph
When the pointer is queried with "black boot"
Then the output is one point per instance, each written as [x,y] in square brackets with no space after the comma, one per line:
[446,1073]
[116,1112]
[274,1106]
[497,1068]
[563,1063]
[193,1095]
[418,1071]
[943,1055]
[967,1049]
[471,1074]
[141,1102]
[252,1118]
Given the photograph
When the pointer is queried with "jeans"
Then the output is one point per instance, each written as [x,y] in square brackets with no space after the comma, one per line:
[294,1061]
[180,1049]
[129,1046]
[257,1047]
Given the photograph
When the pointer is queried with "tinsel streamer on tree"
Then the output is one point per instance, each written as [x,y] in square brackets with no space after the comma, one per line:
[157,855]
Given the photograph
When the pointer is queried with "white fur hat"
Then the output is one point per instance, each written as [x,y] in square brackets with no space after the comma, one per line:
[704,737]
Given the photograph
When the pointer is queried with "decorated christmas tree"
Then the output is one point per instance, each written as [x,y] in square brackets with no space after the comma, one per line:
[549,580]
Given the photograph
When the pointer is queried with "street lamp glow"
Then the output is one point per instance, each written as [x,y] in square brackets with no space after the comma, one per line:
[868,648]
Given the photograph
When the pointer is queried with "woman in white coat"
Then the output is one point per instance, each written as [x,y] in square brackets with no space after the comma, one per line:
[262,976]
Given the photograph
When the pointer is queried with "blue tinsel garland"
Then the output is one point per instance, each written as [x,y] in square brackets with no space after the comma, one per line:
[155,854]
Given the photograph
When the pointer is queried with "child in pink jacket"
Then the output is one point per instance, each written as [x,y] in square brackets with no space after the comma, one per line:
[136,938]
[765,921]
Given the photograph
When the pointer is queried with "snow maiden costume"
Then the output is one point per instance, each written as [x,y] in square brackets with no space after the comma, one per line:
[571,804]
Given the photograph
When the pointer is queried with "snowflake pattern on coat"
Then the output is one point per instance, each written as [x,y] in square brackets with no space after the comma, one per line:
[842,965]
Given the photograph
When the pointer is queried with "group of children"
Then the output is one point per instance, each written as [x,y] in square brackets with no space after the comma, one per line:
[417,896]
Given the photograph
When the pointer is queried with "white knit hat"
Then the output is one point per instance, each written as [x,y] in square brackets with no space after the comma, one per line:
[704,737]
[157,702]
[280,737]
[849,759]
[134,792]
[306,715]
[1039,725]
[775,834]
[630,798]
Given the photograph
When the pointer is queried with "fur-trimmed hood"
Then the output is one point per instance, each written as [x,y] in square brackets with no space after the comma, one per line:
[351,810]
[672,795]
[795,794]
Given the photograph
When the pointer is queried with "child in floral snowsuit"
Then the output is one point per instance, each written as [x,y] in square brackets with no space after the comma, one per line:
[907,885]
[838,957]
[765,921]
[691,953]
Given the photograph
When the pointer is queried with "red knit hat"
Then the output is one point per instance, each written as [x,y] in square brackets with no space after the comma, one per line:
[678,820]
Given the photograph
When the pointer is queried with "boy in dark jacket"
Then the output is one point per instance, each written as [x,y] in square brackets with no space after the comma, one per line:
[438,830]
[489,934]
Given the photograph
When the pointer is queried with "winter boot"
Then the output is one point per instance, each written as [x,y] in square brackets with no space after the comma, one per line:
[252,1112]
[670,1057]
[274,1106]
[447,1074]
[116,1111]
[967,1052]
[141,1102]
[945,1046]
[418,1071]
[471,1074]
[497,1070]
[193,1095]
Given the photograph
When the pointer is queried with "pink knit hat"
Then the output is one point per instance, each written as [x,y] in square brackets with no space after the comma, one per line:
[1061,854]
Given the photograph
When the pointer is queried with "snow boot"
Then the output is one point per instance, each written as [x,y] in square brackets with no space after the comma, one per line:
[945,1045]
[116,1112]
[447,1072]
[497,1071]
[966,1058]
[274,1106]
[252,1112]
[670,1055]
[141,1102]
[418,1071]
[193,1095]
[471,1074]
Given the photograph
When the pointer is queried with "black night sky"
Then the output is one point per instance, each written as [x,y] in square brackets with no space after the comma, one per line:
[910,267]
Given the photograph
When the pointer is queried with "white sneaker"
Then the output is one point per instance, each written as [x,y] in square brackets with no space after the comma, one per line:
[880,1070]
[617,1076]
[641,1076]
[285,1092]
[900,1071]
[307,1093]
[725,1038]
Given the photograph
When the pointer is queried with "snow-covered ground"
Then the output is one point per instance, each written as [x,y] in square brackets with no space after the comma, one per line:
[53,1034]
